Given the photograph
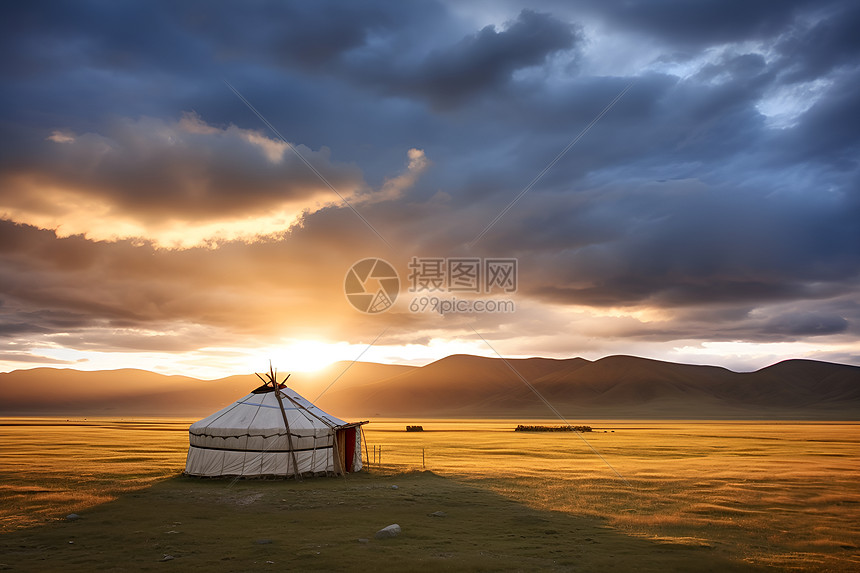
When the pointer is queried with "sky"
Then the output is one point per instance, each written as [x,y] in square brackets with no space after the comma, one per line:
[184,186]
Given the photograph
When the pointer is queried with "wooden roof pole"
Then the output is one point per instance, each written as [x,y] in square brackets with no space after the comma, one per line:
[284,415]
[286,423]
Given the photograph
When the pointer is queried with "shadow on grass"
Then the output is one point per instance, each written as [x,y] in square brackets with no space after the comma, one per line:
[329,524]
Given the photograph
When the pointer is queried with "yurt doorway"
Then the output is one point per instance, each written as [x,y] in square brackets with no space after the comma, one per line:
[346,447]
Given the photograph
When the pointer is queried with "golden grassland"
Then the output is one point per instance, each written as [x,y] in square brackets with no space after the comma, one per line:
[649,495]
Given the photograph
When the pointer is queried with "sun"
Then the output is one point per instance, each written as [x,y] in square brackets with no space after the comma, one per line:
[303,356]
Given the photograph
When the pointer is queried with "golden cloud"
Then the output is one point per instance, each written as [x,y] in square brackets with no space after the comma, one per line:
[181,184]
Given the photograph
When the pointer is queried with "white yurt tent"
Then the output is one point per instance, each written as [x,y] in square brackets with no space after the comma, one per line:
[262,435]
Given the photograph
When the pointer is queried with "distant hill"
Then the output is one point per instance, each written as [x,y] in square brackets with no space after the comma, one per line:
[612,387]
[130,392]
[467,387]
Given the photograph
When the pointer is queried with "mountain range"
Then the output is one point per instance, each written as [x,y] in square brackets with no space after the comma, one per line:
[463,386]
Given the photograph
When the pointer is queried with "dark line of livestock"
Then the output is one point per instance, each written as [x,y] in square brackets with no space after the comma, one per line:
[522,428]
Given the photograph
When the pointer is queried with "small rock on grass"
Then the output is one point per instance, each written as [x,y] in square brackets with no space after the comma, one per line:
[437,514]
[167,558]
[386,532]
[73,517]
[394,487]
[363,540]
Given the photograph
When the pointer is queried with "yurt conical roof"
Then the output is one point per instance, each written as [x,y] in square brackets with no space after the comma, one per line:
[249,438]
[260,414]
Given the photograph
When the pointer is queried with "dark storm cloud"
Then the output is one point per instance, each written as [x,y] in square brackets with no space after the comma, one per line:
[750,228]
[807,324]
[15,323]
[31,358]
[183,168]
[828,131]
[814,50]
[814,323]
[80,61]
[17,328]
[478,63]
[675,248]
[162,37]
[696,24]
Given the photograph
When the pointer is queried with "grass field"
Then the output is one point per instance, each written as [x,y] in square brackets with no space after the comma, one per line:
[654,495]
